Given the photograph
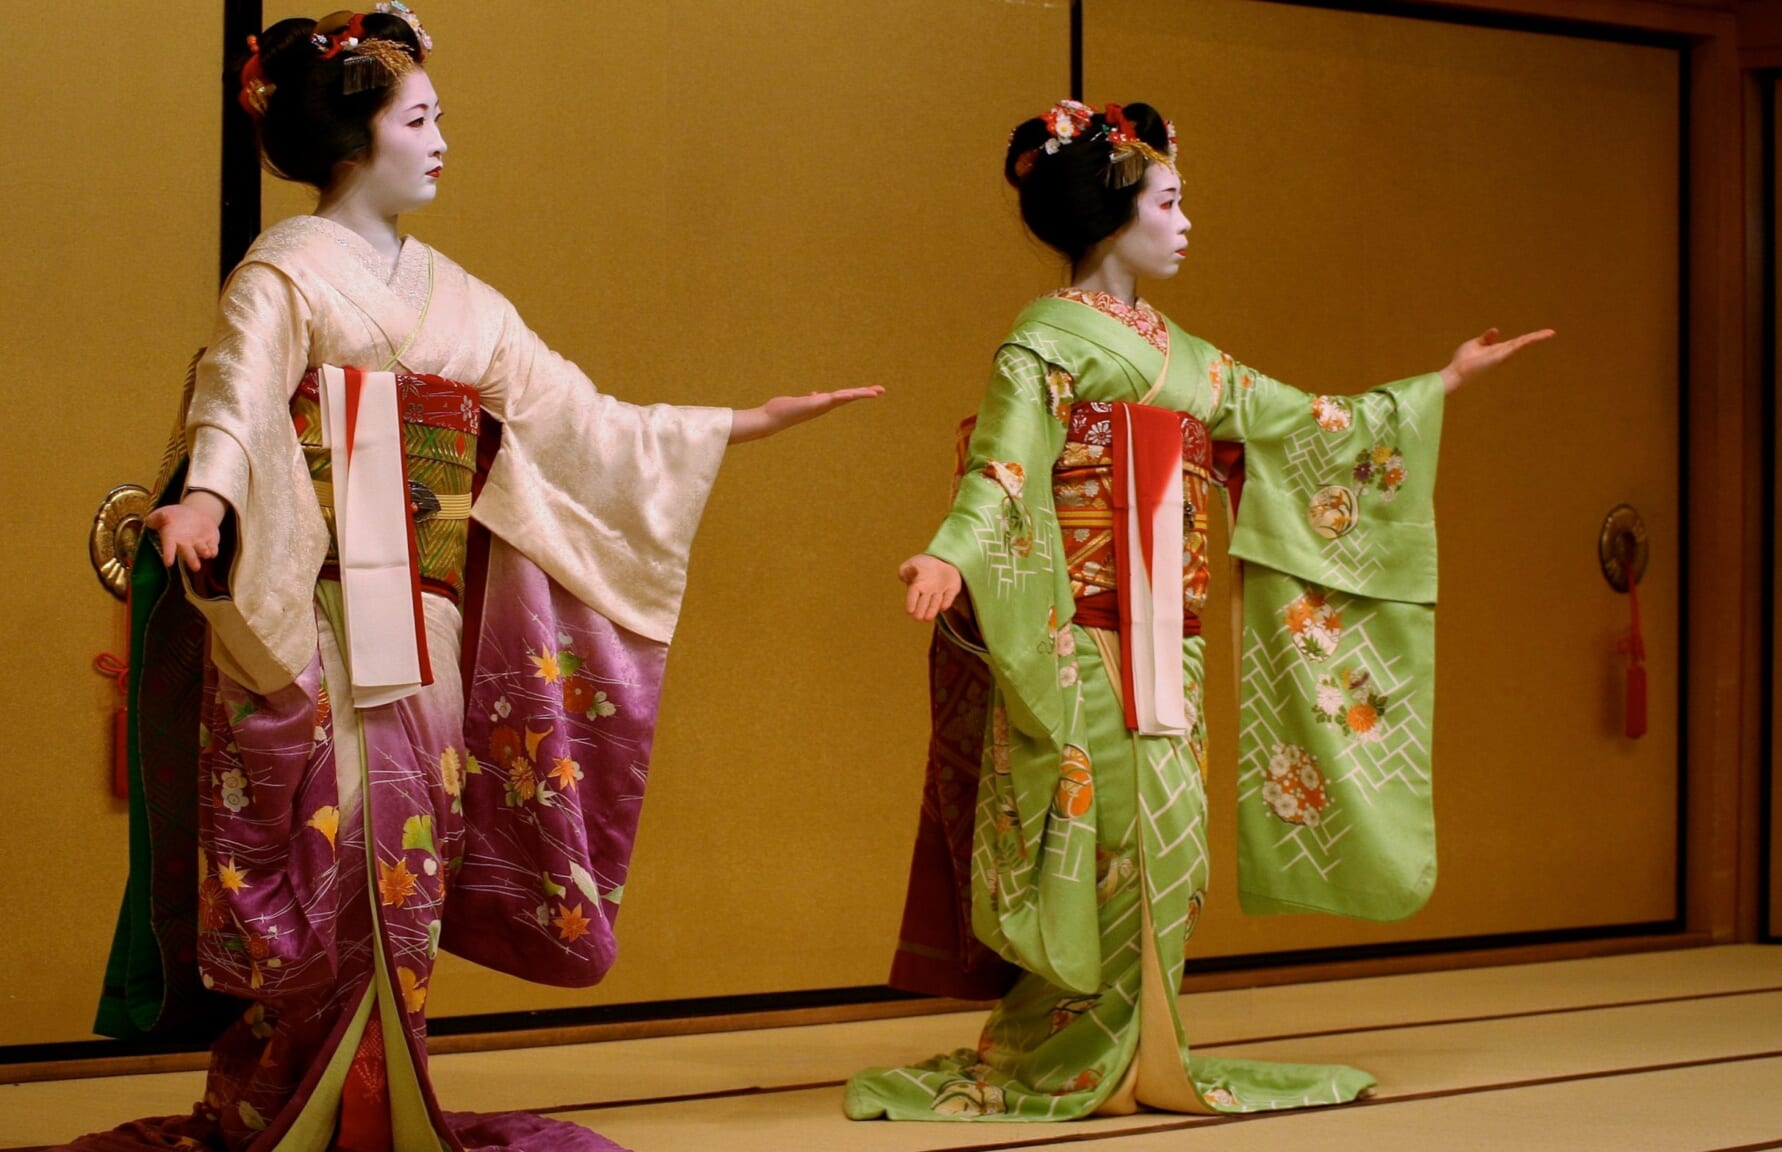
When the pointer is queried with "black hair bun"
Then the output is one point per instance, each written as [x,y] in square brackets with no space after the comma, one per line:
[313,119]
[1066,199]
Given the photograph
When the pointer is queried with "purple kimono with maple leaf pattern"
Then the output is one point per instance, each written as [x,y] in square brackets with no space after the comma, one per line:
[492,813]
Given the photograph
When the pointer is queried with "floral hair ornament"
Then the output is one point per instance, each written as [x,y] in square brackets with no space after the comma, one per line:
[1067,120]
[407,15]
[1070,120]
[1064,121]
[255,88]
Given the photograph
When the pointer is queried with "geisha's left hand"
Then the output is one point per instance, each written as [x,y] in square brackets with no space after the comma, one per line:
[1482,352]
[782,412]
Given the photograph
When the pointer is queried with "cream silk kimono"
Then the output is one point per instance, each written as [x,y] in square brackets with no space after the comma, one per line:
[338,849]
[602,495]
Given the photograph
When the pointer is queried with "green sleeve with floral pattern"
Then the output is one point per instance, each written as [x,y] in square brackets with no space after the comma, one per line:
[1336,528]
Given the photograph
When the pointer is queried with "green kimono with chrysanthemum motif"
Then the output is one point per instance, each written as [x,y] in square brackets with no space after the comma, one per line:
[1088,853]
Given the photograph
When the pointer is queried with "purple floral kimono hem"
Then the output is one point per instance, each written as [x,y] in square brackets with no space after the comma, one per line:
[494,819]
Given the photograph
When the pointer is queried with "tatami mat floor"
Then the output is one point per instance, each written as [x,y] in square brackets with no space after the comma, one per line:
[1657,1051]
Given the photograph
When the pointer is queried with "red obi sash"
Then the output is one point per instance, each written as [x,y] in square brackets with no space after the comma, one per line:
[420,399]
[441,420]
[1084,492]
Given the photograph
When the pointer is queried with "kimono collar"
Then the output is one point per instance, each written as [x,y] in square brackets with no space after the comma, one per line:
[1090,324]
[347,262]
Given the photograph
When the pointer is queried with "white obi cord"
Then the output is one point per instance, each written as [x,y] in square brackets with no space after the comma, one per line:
[379,582]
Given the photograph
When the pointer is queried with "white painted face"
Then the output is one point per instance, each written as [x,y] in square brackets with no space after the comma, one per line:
[402,170]
[1153,243]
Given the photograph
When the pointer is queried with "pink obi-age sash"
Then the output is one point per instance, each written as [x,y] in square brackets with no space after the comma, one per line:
[380,582]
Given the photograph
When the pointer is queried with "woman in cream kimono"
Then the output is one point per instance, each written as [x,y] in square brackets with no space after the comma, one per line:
[1061,861]
[383,478]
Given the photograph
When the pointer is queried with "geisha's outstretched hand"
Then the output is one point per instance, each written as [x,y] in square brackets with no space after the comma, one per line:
[189,530]
[934,585]
[1482,351]
[782,412]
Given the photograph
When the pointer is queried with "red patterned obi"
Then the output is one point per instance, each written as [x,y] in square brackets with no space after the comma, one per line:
[1082,493]
[440,419]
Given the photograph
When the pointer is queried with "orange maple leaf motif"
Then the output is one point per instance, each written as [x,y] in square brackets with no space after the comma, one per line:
[548,669]
[566,773]
[395,884]
[571,924]
[231,877]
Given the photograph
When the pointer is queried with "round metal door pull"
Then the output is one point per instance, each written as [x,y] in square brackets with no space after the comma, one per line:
[1623,542]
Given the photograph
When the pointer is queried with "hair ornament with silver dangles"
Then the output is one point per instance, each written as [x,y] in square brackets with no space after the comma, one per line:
[1129,155]
[370,63]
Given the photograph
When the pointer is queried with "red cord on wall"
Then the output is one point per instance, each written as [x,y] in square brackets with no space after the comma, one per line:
[107,664]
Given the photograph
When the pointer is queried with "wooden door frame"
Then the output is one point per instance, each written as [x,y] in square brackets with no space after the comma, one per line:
[1766,153]
[1721,841]
[1724,741]
[1725,686]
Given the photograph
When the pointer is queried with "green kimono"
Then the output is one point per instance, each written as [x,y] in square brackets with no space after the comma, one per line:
[1088,854]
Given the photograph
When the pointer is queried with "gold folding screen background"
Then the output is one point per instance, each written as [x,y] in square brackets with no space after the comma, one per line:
[108,240]
[714,202]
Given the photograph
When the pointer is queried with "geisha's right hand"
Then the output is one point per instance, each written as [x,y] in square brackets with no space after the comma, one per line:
[190,529]
[933,585]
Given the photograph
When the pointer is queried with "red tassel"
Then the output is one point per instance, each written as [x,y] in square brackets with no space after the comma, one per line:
[1636,702]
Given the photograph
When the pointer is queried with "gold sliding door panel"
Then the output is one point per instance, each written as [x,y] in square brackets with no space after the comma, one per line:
[713,203]
[108,257]
[1368,191]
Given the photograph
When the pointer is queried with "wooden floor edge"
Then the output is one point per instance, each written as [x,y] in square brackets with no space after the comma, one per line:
[1321,972]
[1308,973]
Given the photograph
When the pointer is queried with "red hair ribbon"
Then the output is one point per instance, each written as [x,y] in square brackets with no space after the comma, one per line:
[1123,129]
[347,37]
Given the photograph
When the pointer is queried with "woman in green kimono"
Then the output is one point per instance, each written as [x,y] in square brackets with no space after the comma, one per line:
[1062,860]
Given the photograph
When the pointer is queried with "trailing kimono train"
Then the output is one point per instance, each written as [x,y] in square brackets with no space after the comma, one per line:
[342,841]
[1061,860]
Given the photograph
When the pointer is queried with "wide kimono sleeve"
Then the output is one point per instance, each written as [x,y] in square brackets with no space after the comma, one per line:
[604,496]
[244,449]
[1028,901]
[1336,531]
[592,505]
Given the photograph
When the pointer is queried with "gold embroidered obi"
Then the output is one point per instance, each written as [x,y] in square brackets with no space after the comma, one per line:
[1083,494]
[440,419]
